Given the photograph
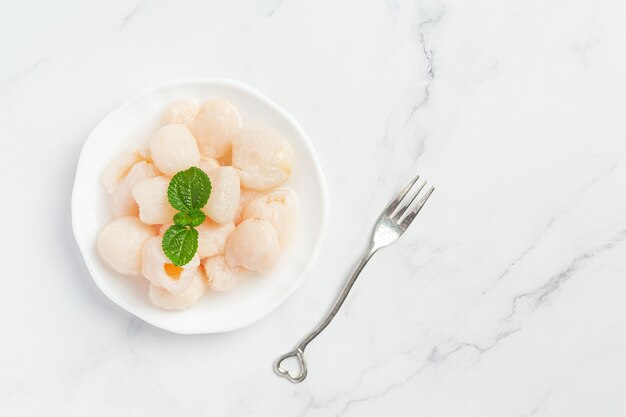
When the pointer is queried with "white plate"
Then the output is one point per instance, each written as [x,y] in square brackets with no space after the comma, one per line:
[132,124]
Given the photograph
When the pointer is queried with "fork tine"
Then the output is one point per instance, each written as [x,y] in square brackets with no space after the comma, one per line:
[400,212]
[409,218]
[394,203]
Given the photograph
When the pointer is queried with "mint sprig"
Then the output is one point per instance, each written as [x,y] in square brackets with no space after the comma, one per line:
[187,192]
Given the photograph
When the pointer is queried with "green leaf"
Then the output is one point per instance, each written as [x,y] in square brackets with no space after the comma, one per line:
[189,190]
[197,217]
[182,219]
[193,218]
[180,244]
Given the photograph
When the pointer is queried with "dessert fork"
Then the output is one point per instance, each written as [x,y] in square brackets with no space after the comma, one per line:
[394,220]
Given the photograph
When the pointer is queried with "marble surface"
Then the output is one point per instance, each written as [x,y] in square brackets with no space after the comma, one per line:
[505,298]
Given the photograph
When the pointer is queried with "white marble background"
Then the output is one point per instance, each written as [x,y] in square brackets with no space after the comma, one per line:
[505,298]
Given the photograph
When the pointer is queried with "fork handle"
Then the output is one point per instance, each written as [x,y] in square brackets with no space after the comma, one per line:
[340,299]
[298,351]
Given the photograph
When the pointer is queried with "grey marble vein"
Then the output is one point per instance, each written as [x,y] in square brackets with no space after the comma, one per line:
[428,53]
[275,7]
[538,296]
[551,221]
[131,15]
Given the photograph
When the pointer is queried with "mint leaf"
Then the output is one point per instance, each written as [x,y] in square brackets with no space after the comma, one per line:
[189,190]
[182,219]
[193,218]
[197,217]
[180,244]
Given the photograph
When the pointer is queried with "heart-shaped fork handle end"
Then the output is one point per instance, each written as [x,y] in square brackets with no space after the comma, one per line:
[294,377]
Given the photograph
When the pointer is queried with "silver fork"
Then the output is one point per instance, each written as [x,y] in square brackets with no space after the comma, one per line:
[390,225]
